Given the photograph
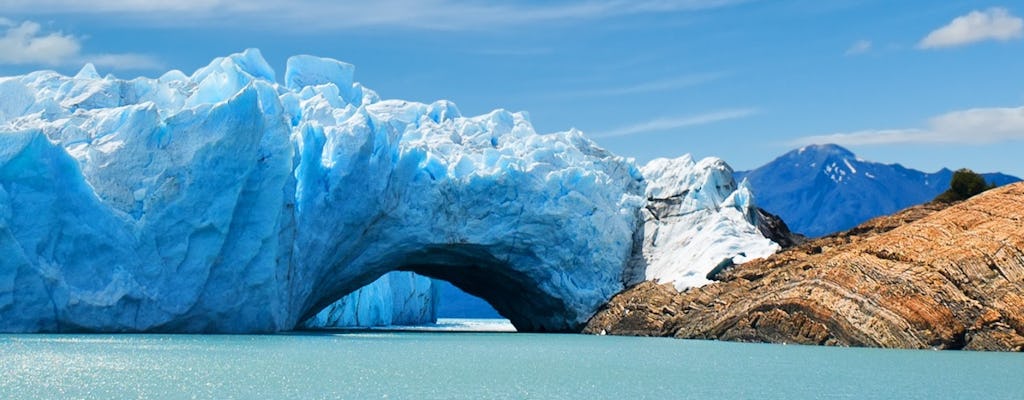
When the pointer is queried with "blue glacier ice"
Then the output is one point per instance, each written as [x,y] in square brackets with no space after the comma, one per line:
[224,201]
[397,298]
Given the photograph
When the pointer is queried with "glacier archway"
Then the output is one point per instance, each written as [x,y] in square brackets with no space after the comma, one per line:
[515,295]
[472,268]
[224,201]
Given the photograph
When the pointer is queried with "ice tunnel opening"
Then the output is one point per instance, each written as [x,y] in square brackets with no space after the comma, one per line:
[513,294]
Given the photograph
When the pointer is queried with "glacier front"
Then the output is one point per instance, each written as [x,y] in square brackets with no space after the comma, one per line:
[224,201]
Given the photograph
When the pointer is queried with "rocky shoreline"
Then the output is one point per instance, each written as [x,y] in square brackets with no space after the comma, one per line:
[932,276]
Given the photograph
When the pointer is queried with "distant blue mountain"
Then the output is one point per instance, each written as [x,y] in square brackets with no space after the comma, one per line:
[822,189]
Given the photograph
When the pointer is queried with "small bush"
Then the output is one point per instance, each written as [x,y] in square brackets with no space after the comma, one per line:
[964,185]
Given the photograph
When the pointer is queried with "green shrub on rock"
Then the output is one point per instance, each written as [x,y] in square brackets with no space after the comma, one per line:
[964,185]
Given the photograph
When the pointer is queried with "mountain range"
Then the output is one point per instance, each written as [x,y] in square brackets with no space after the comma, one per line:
[822,189]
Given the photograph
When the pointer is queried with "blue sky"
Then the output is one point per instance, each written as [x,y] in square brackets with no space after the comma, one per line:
[924,83]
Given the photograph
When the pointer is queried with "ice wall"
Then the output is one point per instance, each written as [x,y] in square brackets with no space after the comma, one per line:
[223,201]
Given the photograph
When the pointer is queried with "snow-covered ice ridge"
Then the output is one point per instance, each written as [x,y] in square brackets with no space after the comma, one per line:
[224,201]
[697,218]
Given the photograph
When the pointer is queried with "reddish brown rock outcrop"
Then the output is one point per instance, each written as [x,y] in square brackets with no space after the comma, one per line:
[927,277]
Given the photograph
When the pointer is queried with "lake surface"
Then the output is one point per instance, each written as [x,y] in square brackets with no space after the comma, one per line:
[441,365]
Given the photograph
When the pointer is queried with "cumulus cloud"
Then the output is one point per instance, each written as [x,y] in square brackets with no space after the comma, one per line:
[859,47]
[333,15]
[991,24]
[678,122]
[26,43]
[973,126]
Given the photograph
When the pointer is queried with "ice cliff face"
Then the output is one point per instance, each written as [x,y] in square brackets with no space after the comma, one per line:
[223,201]
[697,220]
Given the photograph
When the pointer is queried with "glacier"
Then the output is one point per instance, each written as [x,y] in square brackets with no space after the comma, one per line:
[224,201]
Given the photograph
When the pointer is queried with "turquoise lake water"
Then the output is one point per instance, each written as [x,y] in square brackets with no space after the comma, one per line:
[441,365]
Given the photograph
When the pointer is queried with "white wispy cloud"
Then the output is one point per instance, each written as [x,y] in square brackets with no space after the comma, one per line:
[27,43]
[992,24]
[123,61]
[514,52]
[679,122]
[662,85]
[973,126]
[327,15]
[859,47]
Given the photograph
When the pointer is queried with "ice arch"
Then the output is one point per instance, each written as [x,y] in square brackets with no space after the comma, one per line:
[223,201]
[517,295]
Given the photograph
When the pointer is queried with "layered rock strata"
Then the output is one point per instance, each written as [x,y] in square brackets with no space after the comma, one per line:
[927,277]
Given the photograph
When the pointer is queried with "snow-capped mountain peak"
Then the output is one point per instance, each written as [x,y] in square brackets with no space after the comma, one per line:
[801,183]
